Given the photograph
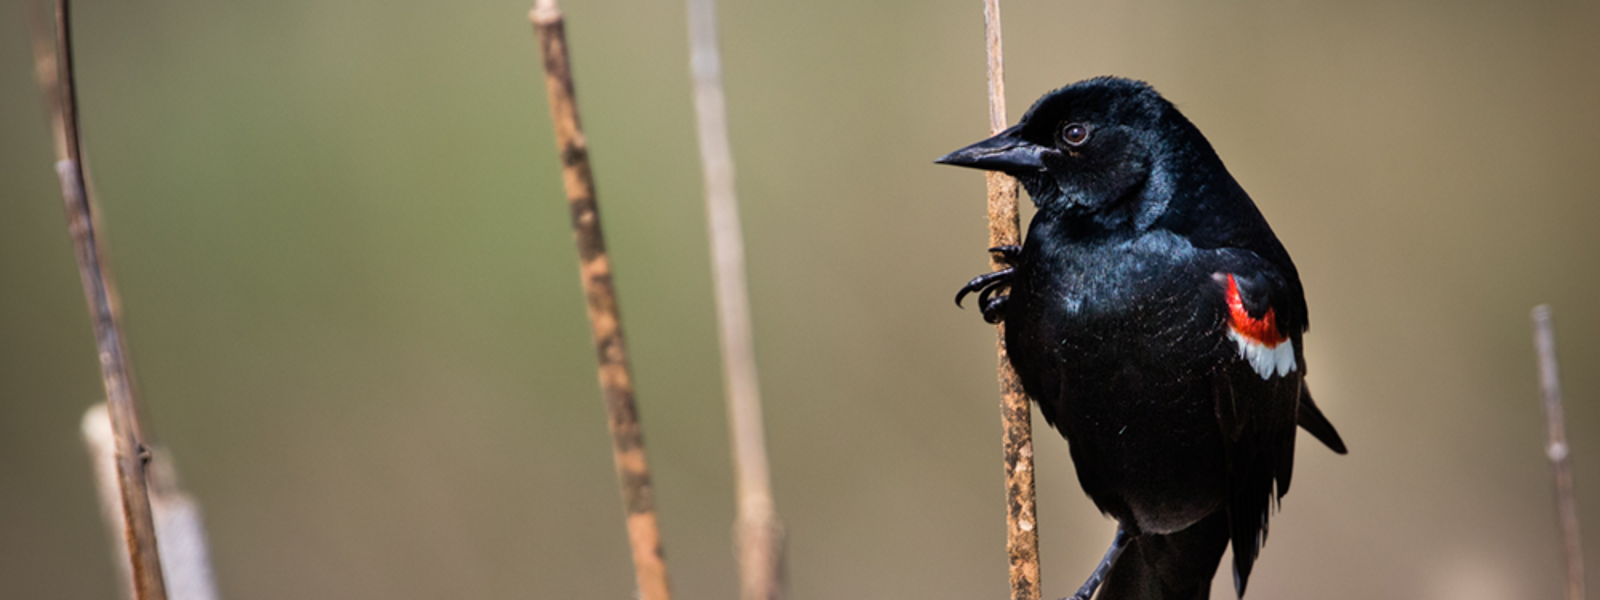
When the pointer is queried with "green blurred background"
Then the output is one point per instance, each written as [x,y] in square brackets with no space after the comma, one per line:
[352,300]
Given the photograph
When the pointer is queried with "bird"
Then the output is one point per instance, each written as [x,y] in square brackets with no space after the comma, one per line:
[1157,321]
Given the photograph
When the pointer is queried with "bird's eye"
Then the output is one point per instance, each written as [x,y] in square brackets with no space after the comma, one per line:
[1075,134]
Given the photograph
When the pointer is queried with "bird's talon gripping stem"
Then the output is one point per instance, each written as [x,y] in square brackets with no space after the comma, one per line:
[985,282]
[1008,253]
[994,309]
[988,285]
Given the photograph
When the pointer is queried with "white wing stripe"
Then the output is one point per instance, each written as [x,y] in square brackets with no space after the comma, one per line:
[1277,360]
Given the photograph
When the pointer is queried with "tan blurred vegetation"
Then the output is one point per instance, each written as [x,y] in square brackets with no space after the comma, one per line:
[353,304]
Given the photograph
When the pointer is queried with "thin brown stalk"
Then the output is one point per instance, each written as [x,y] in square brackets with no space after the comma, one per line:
[758,532]
[1544,341]
[55,69]
[594,268]
[1016,413]
[185,557]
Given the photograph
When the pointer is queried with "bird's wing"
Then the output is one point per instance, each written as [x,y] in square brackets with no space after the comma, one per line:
[1259,386]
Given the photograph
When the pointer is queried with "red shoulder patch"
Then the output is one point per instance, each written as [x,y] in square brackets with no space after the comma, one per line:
[1261,345]
[1262,331]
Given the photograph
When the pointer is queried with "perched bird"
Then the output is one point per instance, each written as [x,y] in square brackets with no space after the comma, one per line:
[1157,321]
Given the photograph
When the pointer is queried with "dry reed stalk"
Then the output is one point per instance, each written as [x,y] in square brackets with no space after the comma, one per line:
[185,553]
[594,268]
[1544,341]
[53,63]
[758,532]
[1016,412]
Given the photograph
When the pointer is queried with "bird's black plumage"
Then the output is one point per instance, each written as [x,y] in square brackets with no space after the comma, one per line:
[1157,321]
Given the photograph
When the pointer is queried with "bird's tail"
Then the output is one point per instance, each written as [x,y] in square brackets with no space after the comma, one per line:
[1176,566]
[1311,419]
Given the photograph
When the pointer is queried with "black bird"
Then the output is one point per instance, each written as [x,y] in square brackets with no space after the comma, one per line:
[1157,321]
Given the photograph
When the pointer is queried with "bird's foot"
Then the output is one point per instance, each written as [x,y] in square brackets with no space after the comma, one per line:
[987,285]
[1008,253]
[994,309]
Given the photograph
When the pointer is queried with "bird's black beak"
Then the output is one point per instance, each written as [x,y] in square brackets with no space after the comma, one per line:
[1006,151]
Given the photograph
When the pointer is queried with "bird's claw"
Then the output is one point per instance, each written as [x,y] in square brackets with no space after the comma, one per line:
[1008,253]
[983,284]
[993,308]
[987,286]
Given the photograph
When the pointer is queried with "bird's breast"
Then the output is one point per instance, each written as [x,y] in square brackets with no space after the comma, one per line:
[1146,281]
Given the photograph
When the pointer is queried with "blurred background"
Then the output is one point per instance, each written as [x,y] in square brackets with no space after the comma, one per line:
[351,291]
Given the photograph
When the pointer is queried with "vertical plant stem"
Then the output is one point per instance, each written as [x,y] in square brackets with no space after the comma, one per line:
[185,553]
[55,71]
[758,533]
[1016,412]
[1544,341]
[594,268]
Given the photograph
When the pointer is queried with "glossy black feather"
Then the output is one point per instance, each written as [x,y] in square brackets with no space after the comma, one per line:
[1118,325]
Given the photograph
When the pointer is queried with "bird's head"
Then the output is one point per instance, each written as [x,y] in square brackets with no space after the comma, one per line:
[1100,147]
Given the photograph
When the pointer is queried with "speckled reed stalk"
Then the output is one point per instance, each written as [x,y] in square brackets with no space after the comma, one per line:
[1016,414]
[616,383]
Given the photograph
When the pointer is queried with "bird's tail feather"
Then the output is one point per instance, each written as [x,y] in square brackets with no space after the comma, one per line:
[1310,419]
[1176,566]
